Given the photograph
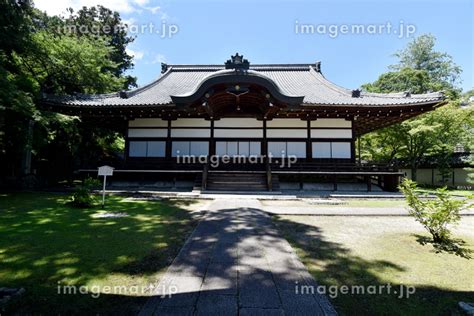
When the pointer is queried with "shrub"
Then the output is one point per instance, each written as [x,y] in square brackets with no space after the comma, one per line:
[82,196]
[434,214]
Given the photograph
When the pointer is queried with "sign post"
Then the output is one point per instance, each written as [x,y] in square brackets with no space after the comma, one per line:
[105,171]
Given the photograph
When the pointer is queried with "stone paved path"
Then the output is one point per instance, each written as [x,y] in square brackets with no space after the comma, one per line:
[236,263]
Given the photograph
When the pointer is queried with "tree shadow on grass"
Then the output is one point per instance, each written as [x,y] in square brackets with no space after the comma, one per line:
[332,264]
[454,246]
[45,243]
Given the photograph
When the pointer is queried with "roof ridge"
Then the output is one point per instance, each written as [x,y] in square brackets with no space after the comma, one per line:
[151,84]
[331,85]
[404,94]
[285,65]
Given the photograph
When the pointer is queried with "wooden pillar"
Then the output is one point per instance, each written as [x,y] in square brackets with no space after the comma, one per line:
[358,149]
[127,143]
[264,149]
[390,182]
[265,143]
[309,145]
[212,142]
[168,141]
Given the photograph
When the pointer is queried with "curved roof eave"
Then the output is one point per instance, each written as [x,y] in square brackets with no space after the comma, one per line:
[237,77]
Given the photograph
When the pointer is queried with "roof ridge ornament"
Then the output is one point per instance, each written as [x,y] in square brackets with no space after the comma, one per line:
[317,66]
[164,67]
[356,93]
[237,62]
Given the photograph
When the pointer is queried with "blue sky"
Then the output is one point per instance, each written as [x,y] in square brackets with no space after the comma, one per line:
[264,31]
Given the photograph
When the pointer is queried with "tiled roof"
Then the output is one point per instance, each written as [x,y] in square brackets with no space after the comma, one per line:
[291,79]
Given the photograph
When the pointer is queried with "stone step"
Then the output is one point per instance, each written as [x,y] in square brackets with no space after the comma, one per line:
[234,181]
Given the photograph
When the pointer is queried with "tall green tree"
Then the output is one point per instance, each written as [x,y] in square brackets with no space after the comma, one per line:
[420,54]
[469,105]
[420,69]
[100,21]
[405,79]
[36,56]
[16,88]
[64,64]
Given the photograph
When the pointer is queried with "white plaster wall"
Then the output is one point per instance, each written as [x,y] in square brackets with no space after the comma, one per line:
[461,177]
[236,133]
[238,122]
[176,132]
[329,122]
[287,133]
[190,122]
[287,123]
[331,133]
[149,132]
[424,176]
[148,122]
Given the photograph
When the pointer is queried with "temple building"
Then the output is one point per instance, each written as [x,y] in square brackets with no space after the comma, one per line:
[262,114]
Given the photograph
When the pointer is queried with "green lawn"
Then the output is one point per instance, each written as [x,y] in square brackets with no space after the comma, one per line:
[375,202]
[367,251]
[45,243]
[464,193]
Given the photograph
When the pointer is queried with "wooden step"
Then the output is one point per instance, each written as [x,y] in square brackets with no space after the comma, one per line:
[245,182]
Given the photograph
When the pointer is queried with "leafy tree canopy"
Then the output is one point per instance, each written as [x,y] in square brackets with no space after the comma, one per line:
[406,79]
[420,54]
[421,69]
[66,64]
[102,22]
[39,54]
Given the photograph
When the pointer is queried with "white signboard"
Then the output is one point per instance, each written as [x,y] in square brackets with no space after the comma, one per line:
[105,171]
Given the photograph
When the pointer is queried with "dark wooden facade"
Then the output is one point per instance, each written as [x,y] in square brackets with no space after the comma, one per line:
[298,97]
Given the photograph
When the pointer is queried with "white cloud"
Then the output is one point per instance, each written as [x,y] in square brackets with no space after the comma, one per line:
[157,10]
[52,8]
[137,54]
[165,16]
[153,10]
[122,6]
[141,2]
[159,58]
